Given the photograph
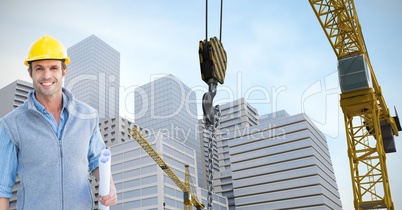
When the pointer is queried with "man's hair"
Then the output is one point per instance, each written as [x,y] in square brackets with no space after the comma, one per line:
[63,66]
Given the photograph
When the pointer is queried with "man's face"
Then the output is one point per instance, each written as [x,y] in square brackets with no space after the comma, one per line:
[47,77]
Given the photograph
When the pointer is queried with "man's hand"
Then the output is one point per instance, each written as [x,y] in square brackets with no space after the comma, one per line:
[4,203]
[111,198]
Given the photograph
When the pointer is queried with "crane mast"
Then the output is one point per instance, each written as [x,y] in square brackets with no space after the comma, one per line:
[368,123]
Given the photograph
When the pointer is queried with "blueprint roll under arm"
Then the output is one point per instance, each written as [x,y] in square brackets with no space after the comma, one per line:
[104,175]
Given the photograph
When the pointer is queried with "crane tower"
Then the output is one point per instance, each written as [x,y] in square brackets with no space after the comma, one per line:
[370,128]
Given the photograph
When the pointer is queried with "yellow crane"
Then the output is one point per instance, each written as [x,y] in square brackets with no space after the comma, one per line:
[370,129]
[189,198]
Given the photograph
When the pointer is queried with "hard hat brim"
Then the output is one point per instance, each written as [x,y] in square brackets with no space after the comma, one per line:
[28,61]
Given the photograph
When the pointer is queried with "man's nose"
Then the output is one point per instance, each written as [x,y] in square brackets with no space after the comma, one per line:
[47,74]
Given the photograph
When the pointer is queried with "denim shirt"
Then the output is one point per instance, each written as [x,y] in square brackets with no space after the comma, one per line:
[9,150]
[58,129]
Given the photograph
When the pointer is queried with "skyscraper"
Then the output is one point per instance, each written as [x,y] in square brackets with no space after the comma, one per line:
[94,75]
[235,115]
[283,163]
[274,161]
[168,105]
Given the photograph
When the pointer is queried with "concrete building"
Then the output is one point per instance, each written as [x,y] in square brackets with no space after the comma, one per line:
[283,164]
[275,161]
[235,115]
[168,105]
[140,182]
[94,75]
[13,95]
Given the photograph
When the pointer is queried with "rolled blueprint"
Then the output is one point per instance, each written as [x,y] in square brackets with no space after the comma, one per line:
[104,175]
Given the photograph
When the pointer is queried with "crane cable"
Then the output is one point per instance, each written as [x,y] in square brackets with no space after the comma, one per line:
[206,20]
[208,125]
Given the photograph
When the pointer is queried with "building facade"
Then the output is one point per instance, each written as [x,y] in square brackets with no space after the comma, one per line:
[94,75]
[273,161]
[140,183]
[236,116]
[168,105]
[13,95]
[283,163]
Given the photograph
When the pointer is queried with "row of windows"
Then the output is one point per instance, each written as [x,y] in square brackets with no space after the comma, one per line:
[178,154]
[135,204]
[21,84]
[136,182]
[233,115]
[229,122]
[225,111]
[132,163]
[215,197]
[85,47]
[137,193]
[21,92]
[107,121]
[130,145]
[127,155]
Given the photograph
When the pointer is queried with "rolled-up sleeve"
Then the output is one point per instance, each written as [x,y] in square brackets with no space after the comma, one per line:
[96,145]
[8,164]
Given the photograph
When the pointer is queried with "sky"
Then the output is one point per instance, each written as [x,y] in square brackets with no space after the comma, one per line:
[278,55]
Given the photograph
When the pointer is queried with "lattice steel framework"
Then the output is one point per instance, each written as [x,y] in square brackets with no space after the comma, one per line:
[363,110]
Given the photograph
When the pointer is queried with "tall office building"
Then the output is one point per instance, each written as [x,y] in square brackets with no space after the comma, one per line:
[13,95]
[140,182]
[168,105]
[275,161]
[235,115]
[94,75]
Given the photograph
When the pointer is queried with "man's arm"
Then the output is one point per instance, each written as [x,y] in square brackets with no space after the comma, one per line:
[8,167]
[96,146]
[108,200]
[4,203]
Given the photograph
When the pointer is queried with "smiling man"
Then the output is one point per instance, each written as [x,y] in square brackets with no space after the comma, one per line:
[50,141]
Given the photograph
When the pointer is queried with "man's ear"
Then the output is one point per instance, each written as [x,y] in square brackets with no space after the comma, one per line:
[65,71]
[29,72]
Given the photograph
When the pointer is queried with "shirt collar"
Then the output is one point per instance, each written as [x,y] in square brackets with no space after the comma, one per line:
[41,108]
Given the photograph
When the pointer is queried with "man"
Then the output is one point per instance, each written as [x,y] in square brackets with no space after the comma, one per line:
[51,140]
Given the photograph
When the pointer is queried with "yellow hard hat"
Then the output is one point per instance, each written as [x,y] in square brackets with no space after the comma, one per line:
[46,48]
